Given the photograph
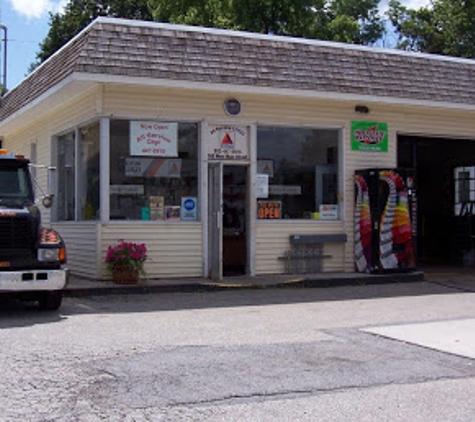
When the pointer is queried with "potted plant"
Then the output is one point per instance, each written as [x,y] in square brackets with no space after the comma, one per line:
[125,261]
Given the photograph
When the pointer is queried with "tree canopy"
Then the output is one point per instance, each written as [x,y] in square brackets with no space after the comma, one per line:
[353,21]
[445,27]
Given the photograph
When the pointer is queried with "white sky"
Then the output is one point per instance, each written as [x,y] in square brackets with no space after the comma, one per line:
[411,4]
[36,8]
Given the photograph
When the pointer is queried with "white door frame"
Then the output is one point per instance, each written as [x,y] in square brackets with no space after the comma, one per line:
[205,193]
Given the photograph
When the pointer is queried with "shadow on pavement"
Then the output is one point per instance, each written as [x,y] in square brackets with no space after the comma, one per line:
[15,313]
[438,281]
[246,297]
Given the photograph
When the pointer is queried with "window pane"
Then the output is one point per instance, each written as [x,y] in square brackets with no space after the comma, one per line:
[14,184]
[88,173]
[302,165]
[66,169]
[464,188]
[151,187]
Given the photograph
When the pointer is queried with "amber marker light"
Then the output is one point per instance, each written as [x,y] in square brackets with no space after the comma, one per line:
[62,254]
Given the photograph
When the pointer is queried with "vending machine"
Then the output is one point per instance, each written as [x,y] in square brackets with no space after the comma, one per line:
[385,220]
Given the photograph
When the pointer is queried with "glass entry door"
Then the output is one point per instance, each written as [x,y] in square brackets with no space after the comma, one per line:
[235,220]
[228,220]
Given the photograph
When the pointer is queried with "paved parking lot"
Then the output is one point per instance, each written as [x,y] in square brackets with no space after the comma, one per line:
[259,354]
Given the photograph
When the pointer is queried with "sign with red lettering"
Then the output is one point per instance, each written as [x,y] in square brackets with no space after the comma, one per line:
[157,139]
[228,143]
[269,210]
[369,136]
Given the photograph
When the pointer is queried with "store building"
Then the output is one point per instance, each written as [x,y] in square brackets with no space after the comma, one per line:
[216,148]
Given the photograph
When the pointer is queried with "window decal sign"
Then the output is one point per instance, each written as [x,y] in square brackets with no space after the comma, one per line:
[228,143]
[262,185]
[369,136]
[126,189]
[328,212]
[269,210]
[153,167]
[285,190]
[189,208]
[156,206]
[157,139]
[265,167]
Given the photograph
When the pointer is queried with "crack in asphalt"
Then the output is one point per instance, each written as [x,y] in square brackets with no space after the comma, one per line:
[295,394]
[452,286]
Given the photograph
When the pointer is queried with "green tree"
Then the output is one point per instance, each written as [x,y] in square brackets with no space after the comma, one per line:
[354,21]
[79,13]
[208,13]
[445,27]
[275,16]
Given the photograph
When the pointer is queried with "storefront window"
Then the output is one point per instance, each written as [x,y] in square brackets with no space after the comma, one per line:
[153,170]
[84,169]
[464,189]
[66,197]
[301,168]
[88,173]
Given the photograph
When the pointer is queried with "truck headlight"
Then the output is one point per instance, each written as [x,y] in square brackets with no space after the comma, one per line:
[51,247]
[48,255]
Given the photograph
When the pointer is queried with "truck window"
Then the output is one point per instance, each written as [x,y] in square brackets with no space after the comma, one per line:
[14,182]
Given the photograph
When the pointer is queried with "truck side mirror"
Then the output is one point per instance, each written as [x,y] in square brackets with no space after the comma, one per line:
[47,200]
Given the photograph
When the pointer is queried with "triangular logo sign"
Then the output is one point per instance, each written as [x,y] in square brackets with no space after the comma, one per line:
[227,142]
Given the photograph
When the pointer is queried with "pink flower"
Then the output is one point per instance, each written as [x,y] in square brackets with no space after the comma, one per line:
[125,253]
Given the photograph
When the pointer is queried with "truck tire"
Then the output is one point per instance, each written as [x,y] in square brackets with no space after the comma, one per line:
[50,301]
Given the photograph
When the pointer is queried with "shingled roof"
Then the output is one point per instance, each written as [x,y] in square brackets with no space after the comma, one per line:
[189,54]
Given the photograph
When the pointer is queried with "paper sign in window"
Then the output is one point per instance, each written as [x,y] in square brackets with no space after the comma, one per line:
[157,139]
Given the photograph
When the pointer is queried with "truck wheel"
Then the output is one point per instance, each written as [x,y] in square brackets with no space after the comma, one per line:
[50,301]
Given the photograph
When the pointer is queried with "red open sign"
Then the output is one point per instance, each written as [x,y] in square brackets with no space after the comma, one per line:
[269,210]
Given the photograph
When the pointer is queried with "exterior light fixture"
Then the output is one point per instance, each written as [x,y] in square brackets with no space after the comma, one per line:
[362,109]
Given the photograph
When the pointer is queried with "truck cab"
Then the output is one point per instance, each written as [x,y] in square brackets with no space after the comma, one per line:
[31,256]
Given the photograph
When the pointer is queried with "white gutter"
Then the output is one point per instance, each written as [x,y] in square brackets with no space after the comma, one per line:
[251,89]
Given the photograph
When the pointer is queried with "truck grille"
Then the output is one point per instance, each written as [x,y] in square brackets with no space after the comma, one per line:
[15,233]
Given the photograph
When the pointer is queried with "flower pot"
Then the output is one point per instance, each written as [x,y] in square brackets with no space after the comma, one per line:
[124,275]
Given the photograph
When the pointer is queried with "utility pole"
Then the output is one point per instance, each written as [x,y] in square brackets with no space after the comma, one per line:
[4,74]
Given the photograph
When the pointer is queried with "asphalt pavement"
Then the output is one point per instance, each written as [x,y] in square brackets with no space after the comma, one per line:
[454,337]
[393,352]
[269,349]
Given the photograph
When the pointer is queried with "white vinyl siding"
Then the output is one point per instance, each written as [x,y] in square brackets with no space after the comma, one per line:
[174,249]
[272,240]
[81,241]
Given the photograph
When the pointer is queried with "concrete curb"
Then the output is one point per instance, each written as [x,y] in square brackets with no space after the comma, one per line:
[102,289]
